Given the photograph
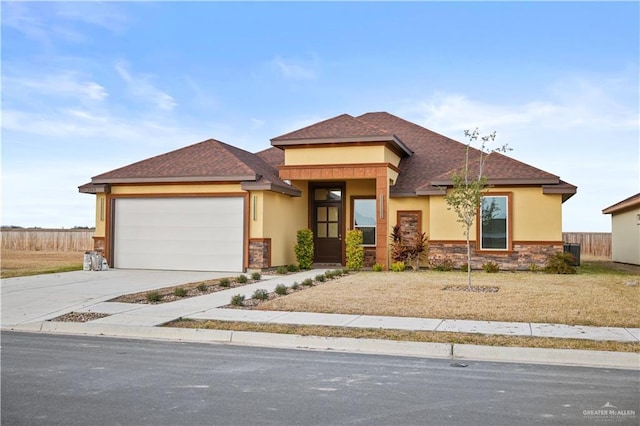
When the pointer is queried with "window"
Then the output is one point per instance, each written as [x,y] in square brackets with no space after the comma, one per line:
[364,219]
[494,223]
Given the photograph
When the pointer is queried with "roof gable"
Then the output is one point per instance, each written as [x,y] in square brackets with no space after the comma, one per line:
[628,203]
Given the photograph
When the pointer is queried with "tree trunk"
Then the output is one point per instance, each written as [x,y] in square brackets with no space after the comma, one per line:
[468,259]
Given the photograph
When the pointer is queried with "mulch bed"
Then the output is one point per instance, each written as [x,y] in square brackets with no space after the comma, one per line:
[79,317]
[472,289]
[167,294]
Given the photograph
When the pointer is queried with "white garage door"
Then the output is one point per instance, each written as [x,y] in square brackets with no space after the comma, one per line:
[190,234]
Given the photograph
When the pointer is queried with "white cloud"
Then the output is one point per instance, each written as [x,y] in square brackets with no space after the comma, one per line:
[68,84]
[584,129]
[292,69]
[141,87]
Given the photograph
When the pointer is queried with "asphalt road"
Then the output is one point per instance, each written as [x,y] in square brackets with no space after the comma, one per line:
[73,380]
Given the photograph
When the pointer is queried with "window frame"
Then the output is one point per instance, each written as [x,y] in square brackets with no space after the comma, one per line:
[509,225]
[354,198]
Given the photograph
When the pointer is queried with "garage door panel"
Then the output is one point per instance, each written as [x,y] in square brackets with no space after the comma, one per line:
[179,233]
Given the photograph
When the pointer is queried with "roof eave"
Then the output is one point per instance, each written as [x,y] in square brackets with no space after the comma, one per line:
[629,203]
[505,181]
[393,139]
[269,186]
[93,188]
[176,179]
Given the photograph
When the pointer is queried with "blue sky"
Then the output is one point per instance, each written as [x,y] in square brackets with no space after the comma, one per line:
[88,87]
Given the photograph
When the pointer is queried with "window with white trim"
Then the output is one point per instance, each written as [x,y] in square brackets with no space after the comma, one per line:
[494,222]
[364,219]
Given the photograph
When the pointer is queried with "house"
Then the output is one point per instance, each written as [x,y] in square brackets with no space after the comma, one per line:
[625,230]
[213,206]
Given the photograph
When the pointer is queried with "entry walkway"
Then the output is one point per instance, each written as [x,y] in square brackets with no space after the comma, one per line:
[208,307]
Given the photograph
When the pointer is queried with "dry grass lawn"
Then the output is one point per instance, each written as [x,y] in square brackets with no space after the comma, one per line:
[17,263]
[598,297]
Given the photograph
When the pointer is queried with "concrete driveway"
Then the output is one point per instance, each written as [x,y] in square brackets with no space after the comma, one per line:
[41,297]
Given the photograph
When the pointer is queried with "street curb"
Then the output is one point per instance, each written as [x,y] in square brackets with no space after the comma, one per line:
[571,357]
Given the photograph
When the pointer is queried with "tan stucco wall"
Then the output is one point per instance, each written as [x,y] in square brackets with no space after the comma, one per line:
[339,155]
[625,237]
[535,216]
[281,216]
[175,189]
[101,215]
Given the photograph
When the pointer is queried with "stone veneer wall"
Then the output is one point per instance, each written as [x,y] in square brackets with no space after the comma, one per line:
[260,253]
[369,257]
[521,258]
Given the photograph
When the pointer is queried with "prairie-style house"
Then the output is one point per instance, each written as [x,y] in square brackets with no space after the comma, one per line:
[213,206]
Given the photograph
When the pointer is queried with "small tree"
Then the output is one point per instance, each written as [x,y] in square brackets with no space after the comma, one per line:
[469,184]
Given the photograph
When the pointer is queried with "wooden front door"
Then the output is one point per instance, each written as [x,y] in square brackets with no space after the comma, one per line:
[328,223]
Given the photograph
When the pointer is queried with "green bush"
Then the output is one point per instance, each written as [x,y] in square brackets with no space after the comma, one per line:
[490,267]
[256,276]
[282,270]
[304,248]
[330,274]
[293,268]
[202,287]
[153,296]
[179,292]
[377,267]
[320,278]
[308,282]
[281,289]
[295,285]
[398,266]
[260,294]
[464,267]
[237,300]
[224,282]
[242,279]
[534,267]
[355,251]
[560,263]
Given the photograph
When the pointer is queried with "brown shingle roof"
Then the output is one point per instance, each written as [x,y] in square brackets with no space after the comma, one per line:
[437,157]
[342,126]
[207,161]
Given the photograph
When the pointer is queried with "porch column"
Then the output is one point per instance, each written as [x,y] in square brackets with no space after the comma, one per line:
[382,213]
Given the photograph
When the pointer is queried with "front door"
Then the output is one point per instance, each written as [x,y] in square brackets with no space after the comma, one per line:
[327,223]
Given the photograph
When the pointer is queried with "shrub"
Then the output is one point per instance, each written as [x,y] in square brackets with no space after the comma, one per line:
[464,267]
[281,289]
[490,267]
[256,276]
[224,282]
[153,296]
[534,267]
[242,279]
[202,287]
[410,254]
[179,292]
[237,300]
[442,264]
[339,272]
[260,294]
[308,282]
[304,248]
[377,267]
[330,274]
[320,278]
[398,266]
[282,270]
[560,263]
[355,251]
[293,268]
[295,285]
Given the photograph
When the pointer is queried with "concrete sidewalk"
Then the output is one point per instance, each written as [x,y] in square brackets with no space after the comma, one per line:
[30,301]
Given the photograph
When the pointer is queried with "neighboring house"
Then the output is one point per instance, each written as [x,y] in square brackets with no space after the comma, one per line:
[212,206]
[625,230]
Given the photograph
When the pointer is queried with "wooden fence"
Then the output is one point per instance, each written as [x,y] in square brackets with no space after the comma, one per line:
[47,239]
[596,244]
